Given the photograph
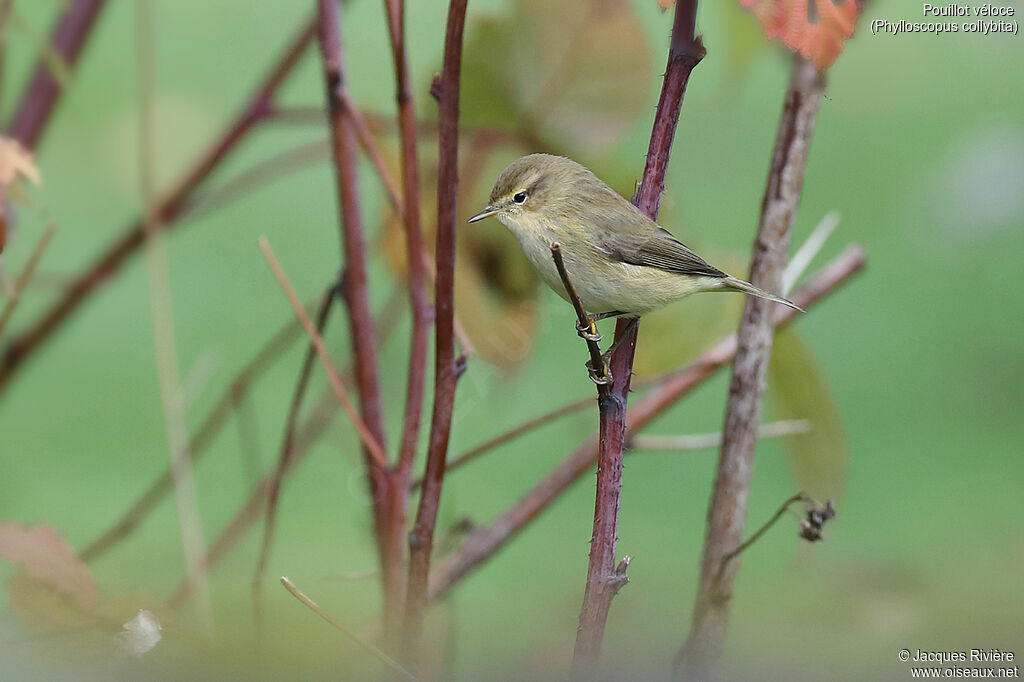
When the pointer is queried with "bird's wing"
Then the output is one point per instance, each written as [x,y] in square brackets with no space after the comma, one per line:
[656,249]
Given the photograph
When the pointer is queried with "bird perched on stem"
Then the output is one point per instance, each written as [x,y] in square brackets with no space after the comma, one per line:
[620,261]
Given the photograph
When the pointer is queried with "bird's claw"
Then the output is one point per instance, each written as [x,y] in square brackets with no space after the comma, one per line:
[601,377]
[588,331]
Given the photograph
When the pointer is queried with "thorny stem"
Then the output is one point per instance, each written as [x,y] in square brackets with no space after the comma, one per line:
[421,538]
[603,576]
[729,501]
[484,541]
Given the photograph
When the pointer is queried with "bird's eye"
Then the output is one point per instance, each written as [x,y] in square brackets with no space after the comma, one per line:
[520,198]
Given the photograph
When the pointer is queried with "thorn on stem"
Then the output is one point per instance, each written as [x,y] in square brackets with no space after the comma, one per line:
[435,88]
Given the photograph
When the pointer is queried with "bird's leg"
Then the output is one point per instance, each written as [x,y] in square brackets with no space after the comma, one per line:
[589,331]
[607,355]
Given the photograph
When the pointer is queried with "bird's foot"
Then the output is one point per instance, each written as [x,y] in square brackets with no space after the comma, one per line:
[588,331]
[601,376]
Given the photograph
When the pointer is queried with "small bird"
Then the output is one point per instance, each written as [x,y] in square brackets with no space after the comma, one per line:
[619,261]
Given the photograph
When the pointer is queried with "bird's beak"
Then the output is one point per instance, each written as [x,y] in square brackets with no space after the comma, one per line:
[486,213]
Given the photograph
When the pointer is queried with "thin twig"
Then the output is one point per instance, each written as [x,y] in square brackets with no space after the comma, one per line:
[513,433]
[287,452]
[484,541]
[763,529]
[320,416]
[40,96]
[171,397]
[728,511]
[168,209]
[597,366]
[603,577]
[371,444]
[811,247]
[702,441]
[421,539]
[200,441]
[318,610]
[26,275]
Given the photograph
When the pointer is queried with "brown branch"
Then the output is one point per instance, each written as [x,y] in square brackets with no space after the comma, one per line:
[357,301]
[421,539]
[414,240]
[511,434]
[377,455]
[486,540]
[42,91]
[415,250]
[728,510]
[603,576]
[165,211]
[287,452]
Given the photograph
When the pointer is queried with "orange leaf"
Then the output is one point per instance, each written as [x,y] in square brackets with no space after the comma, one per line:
[665,4]
[815,28]
[44,555]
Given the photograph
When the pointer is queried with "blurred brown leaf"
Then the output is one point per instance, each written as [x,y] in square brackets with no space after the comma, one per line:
[16,162]
[799,392]
[44,556]
[815,28]
[573,73]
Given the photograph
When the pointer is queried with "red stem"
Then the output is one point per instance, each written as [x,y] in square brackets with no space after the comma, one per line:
[483,542]
[355,292]
[728,512]
[421,539]
[40,95]
[417,290]
[167,209]
[604,577]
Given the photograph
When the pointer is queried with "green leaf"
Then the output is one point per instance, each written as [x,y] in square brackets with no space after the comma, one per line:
[799,392]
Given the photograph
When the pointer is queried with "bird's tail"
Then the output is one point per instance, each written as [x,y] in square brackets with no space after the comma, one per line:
[739,285]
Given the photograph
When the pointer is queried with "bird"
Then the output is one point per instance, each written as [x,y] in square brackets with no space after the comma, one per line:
[620,262]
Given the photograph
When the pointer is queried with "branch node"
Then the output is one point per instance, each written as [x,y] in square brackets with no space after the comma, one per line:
[435,87]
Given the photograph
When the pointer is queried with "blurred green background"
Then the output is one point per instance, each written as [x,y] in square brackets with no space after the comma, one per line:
[919,147]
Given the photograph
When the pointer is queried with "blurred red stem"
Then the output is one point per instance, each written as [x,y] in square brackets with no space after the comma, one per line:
[604,576]
[728,511]
[421,539]
[485,541]
[357,302]
[165,213]
[40,95]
